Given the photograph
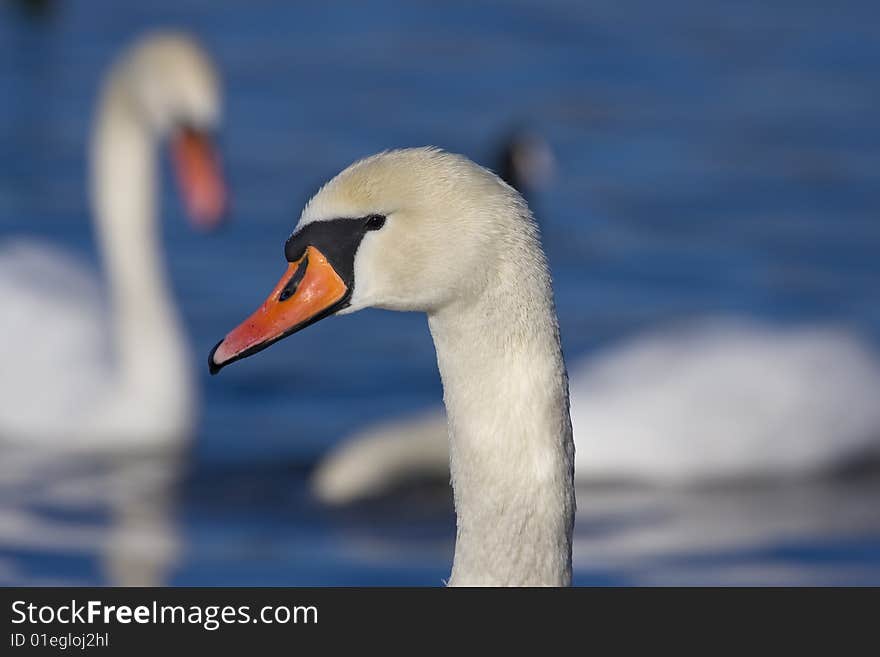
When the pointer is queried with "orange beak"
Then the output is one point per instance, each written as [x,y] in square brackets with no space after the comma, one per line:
[309,290]
[199,176]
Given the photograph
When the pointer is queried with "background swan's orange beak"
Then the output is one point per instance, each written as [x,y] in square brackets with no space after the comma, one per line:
[199,176]
[309,290]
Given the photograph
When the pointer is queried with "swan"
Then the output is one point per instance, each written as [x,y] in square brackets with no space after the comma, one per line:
[685,404]
[69,391]
[425,230]
[719,398]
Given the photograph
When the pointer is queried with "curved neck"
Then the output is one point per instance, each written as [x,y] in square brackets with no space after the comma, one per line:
[511,450]
[148,342]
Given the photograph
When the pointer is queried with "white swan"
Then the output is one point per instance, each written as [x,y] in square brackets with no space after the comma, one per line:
[420,229]
[61,386]
[716,399]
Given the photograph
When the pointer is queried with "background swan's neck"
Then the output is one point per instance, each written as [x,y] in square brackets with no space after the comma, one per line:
[511,449]
[150,349]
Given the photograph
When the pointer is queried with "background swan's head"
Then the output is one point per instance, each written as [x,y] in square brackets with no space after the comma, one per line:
[170,88]
[172,82]
[413,229]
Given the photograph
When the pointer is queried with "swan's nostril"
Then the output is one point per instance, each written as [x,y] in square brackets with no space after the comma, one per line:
[292,285]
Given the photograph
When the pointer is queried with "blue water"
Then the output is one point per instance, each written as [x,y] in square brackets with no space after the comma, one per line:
[712,158]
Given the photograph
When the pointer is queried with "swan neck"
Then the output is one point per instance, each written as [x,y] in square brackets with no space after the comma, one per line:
[511,450]
[147,338]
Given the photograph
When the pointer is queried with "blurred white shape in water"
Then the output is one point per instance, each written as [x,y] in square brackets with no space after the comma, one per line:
[54,332]
[726,399]
[85,383]
[58,386]
[716,399]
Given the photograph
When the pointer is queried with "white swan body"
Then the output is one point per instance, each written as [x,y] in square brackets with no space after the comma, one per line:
[726,400]
[420,229]
[717,399]
[80,372]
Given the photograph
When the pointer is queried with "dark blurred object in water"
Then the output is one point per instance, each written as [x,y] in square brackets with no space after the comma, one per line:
[526,162]
[36,10]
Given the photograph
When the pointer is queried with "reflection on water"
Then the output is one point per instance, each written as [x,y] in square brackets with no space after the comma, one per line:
[260,528]
[712,158]
[823,532]
[119,514]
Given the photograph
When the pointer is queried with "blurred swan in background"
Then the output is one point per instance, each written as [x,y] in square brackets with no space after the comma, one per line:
[715,399]
[110,383]
[61,384]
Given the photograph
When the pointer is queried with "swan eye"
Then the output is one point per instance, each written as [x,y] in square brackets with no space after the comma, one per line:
[375,221]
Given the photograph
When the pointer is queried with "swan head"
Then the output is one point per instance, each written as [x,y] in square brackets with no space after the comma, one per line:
[174,90]
[413,230]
